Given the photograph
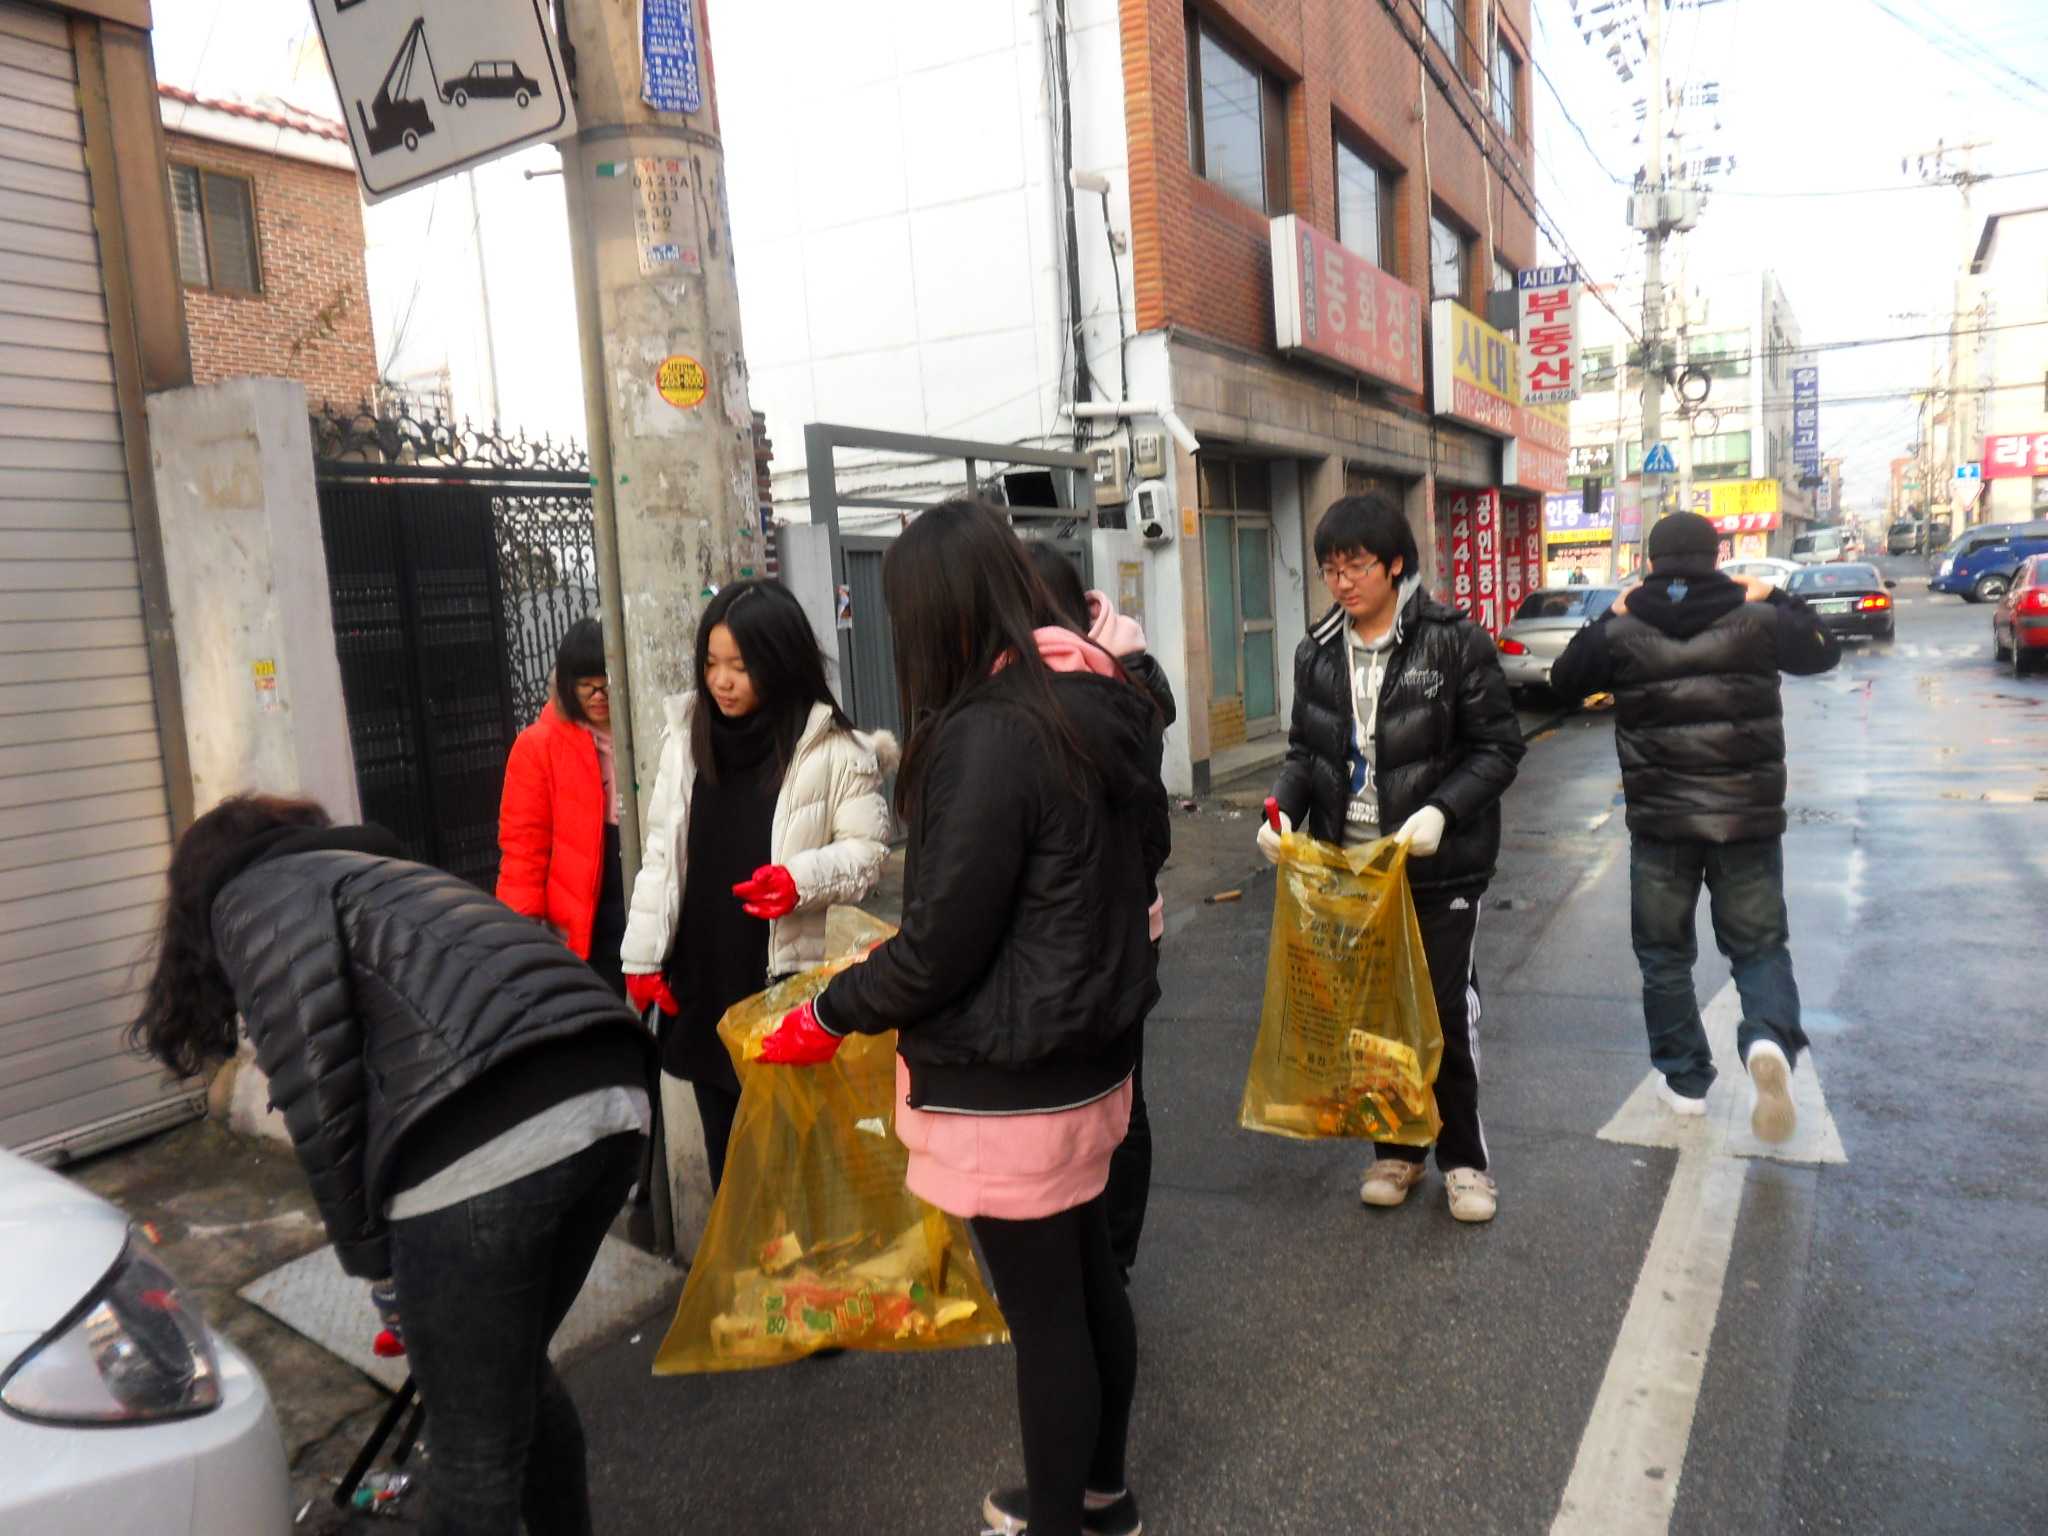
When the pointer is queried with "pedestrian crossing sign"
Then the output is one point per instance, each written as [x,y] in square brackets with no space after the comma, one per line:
[1658,460]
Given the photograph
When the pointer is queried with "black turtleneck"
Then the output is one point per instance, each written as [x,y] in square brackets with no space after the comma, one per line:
[720,954]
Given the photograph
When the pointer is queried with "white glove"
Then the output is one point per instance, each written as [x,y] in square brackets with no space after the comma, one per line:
[1269,840]
[1423,831]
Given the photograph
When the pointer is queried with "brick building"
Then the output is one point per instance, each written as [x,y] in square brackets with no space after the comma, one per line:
[1127,224]
[269,230]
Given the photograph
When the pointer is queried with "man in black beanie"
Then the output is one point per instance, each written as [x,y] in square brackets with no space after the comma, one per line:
[1693,659]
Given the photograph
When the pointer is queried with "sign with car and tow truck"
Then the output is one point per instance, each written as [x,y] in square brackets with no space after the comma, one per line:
[431,90]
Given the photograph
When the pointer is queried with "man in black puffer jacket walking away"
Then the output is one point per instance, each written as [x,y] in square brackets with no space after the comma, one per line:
[1402,724]
[1693,660]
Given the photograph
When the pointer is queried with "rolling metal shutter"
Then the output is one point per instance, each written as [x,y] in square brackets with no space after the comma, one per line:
[84,821]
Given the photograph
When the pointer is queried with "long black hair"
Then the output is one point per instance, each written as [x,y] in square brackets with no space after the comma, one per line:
[579,657]
[188,1008]
[784,664]
[963,600]
[1069,599]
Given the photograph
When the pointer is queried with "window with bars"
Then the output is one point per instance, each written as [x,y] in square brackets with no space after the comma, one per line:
[1365,209]
[1237,122]
[215,213]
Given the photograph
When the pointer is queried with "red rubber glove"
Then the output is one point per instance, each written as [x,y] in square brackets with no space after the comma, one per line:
[771,893]
[800,1041]
[650,989]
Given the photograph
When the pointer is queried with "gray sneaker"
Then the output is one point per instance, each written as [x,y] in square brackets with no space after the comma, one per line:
[1774,1117]
[1003,1513]
[1388,1181]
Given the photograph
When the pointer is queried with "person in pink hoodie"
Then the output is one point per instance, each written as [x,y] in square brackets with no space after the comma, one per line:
[1036,822]
[1093,614]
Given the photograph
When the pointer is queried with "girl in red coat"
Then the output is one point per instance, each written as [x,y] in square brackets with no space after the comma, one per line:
[558,823]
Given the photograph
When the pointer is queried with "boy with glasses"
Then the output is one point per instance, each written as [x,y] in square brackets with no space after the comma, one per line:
[1402,724]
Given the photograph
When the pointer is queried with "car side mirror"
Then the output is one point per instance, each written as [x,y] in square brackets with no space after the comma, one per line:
[1889,585]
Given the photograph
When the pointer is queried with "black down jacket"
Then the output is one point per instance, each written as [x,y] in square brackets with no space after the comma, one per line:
[1024,958]
[1699,721]
[374,990]
[1447,737]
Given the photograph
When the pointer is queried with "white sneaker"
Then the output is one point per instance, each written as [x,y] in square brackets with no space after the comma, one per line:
[1679,1103]
[1388,1181]
[1472,1195]
[1773,1118]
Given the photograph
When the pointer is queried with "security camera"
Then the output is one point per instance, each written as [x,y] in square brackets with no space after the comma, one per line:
[1154,520]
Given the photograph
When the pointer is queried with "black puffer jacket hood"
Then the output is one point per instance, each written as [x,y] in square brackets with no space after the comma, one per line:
[374,990]
[1024,957]
[1447,736]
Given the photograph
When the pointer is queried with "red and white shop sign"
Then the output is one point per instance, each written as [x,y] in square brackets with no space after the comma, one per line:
[1547,309]
[2015,455]
[1332,305]
[1511,556]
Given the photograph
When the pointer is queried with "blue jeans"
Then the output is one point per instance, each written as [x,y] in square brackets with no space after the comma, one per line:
[482,1287]
[1746,888]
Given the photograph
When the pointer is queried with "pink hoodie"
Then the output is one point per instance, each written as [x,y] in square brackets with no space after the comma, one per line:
[1017,1167]
[1116,633]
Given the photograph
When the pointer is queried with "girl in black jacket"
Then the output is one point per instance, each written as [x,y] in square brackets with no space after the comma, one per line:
[1036,825]
[468,1099]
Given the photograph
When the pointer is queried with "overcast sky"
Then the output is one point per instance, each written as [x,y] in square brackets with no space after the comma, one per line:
[1816,97]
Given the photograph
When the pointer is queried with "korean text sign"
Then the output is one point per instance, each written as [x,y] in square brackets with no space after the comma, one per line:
[1335,306]
[1806,418]
[1475,370]
[2015,455]
[1547,310]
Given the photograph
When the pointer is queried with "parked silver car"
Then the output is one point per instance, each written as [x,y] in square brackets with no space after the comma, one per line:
[1543,626]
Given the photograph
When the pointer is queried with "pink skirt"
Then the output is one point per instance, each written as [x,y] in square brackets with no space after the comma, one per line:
[1016,1167]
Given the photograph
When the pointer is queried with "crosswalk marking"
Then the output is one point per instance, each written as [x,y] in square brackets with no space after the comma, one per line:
[1625,1479]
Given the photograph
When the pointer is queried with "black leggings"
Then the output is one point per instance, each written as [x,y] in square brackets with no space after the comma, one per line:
[1077,1355]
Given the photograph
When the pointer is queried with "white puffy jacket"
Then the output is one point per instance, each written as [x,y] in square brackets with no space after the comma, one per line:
[831,832]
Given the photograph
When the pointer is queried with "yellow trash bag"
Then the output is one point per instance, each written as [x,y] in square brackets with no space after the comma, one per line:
[813,1242]
[1349,1042]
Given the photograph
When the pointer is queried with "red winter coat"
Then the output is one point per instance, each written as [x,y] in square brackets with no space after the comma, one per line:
[551,827]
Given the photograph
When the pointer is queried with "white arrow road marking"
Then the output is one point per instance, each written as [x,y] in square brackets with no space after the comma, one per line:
[1625,1480]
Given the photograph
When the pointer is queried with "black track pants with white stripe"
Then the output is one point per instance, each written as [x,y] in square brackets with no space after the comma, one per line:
[1450,927]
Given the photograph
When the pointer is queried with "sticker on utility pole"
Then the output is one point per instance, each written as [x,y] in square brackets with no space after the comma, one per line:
[668,56]
[680,381]
[659,190]
[264,675]
[431,90]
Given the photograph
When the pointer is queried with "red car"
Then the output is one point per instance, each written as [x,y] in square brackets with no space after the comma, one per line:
[2019,624]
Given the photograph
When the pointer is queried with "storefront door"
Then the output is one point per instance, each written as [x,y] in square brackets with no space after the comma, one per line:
[1237,562]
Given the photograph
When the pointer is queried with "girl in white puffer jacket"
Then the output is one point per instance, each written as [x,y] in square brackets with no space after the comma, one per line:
[767,809]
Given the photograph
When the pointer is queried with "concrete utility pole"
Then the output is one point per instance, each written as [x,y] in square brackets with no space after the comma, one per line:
[664,374]
[1653,266]
[1935,169]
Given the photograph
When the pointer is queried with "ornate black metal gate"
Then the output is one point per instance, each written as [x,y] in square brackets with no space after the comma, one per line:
[455,562]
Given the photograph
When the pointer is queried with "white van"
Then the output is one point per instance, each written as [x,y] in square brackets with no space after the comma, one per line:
[1823,546]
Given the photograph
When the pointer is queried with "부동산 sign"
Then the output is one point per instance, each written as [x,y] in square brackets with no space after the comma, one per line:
[428,90]
[1331,305]
[1806,419]
[1475,370]
[1547,312]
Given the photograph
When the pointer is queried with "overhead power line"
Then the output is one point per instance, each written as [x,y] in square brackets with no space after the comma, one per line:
[1918,186]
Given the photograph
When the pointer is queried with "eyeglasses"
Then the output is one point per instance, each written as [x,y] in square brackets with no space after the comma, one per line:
[1350,571]
[586,689]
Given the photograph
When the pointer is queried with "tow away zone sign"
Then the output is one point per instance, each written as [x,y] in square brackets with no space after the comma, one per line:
[430,89]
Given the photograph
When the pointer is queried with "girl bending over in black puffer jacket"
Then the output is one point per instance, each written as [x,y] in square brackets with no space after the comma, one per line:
[468,1099]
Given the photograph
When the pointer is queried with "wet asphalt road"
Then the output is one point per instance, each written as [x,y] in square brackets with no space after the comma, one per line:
[1880,1361]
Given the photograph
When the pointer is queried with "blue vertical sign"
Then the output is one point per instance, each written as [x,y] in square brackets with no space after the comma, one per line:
[1806,419]
[669,81]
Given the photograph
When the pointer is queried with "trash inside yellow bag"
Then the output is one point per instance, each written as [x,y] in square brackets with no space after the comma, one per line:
[813,1242]
[1349,1042]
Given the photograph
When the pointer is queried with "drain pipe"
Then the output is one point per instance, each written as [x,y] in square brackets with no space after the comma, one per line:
[1109,410]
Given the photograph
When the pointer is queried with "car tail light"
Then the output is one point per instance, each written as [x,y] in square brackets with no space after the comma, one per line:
[1876,600]
[1513,648]
[2037,600]
[135,1352]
